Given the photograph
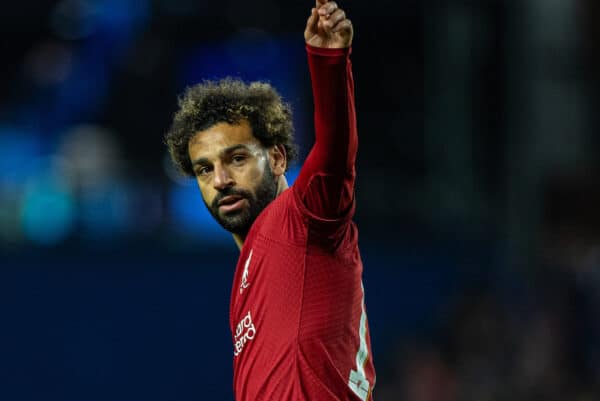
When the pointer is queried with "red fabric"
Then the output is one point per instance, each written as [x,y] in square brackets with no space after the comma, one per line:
[297,304]
[326,182]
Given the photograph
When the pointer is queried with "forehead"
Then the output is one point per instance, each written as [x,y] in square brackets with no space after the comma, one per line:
[215,139]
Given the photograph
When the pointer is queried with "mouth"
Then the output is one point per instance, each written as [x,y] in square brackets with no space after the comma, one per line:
[231,203]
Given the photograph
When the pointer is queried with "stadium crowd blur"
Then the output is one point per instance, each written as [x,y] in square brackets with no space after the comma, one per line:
[478,192]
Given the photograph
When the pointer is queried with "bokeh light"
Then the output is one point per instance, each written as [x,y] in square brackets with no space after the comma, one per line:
[49,209]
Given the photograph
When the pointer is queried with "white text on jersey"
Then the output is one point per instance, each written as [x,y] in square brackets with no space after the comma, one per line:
[244,332]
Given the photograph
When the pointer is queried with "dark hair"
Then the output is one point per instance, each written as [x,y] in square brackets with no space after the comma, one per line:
[231,101]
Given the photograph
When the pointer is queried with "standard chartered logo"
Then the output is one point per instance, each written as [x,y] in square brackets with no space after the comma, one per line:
[244,332]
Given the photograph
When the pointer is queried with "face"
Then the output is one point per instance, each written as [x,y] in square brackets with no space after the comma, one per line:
[236,174]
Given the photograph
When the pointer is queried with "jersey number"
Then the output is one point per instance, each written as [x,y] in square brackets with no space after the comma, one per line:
[358,380]
[359,384]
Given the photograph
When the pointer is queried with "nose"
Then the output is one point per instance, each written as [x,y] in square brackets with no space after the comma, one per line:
[222,178]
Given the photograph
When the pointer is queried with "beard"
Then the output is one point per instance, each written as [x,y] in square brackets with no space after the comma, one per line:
[239,221]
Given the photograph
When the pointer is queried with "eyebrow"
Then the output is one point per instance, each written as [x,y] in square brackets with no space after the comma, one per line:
[231,149]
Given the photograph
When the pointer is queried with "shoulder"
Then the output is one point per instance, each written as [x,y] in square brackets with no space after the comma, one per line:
[281,220]
[342,218]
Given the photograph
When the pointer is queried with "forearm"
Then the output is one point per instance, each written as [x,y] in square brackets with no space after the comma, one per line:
[336,139]
[326,181]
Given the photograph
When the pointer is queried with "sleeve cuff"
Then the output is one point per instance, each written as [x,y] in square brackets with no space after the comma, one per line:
[320,51]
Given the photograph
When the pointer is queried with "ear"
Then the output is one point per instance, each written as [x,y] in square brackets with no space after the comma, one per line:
[277,159]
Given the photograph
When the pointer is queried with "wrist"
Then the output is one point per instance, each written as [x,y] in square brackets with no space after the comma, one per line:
[325,51]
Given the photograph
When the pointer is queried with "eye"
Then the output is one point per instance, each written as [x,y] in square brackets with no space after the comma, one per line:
[238,159]
[202,171]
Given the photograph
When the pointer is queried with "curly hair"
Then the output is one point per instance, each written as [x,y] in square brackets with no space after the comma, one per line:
[230,101]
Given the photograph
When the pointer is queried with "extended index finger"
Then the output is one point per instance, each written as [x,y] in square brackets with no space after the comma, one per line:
[320,3]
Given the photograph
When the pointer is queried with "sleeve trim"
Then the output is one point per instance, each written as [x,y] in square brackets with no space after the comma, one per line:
[320,51]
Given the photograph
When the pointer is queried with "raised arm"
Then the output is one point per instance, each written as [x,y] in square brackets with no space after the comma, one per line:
[325,185]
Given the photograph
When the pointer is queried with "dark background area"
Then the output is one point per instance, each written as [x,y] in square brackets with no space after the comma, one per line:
[478,196]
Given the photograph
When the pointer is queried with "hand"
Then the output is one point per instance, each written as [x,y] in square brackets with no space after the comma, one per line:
[328,27]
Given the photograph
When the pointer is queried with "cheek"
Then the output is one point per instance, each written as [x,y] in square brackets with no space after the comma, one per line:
[260,167]
[250,174]
[255,175]
[206,193]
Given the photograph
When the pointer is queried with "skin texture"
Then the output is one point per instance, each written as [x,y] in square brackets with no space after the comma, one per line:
[229,161]
[328,27]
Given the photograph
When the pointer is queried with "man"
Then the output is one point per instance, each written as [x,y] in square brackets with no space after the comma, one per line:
[297,310]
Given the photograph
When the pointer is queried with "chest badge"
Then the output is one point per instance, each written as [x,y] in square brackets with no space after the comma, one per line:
[245,284]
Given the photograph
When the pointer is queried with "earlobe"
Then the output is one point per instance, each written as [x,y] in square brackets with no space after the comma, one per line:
[278,159]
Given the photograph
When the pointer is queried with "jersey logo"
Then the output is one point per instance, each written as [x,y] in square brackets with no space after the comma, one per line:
[245,283]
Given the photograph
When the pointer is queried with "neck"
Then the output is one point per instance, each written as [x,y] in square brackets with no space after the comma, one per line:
[282,185]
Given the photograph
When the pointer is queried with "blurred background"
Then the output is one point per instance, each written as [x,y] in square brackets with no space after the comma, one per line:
[478,195]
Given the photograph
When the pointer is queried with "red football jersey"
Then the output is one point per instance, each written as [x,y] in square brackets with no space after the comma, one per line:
[297,314]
